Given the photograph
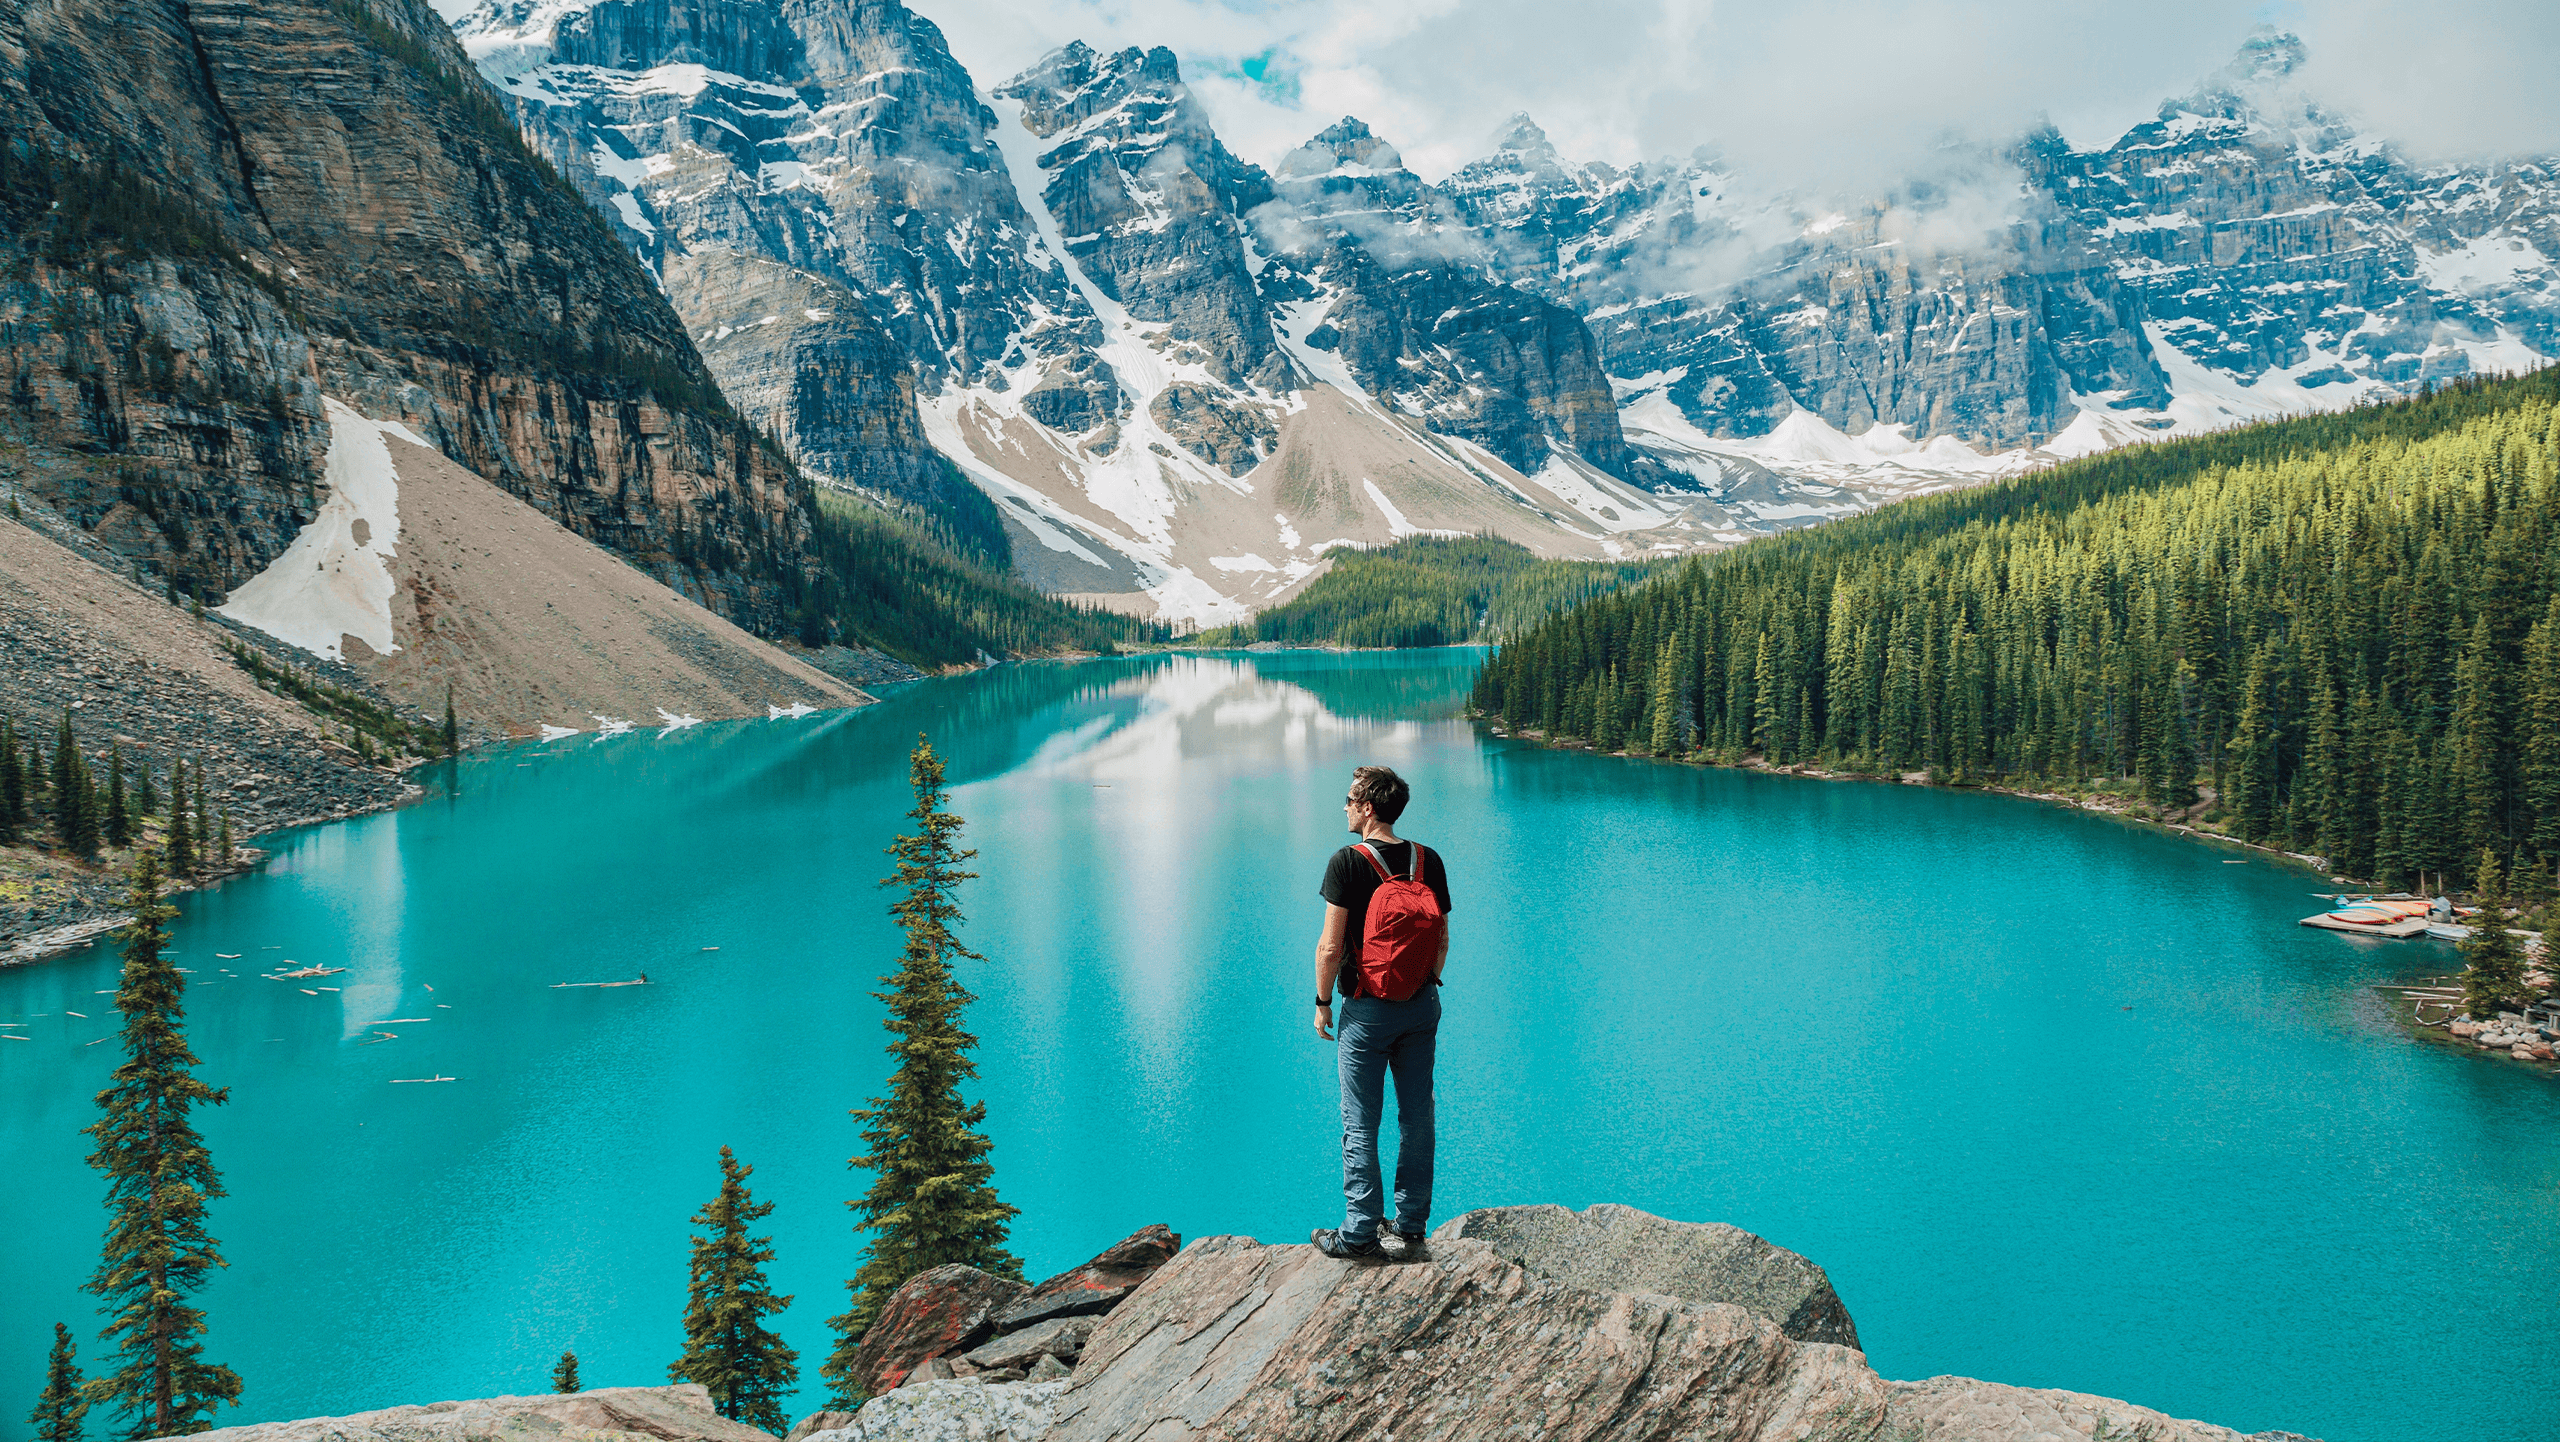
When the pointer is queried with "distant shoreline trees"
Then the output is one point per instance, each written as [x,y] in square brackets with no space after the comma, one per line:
[934,1200]
[2346,626]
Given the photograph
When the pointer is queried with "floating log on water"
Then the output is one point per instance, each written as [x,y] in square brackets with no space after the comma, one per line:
[414,1080]
[641,980]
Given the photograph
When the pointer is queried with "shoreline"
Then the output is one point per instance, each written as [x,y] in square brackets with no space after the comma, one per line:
[70,936]
[2093,803]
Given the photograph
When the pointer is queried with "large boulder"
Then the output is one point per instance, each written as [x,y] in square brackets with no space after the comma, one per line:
[1098,1285]
[967,1410]
[1282,1344]
[607,1414]
[1959,1409]
[946,1309]
[1611,1248]
[1236,1339]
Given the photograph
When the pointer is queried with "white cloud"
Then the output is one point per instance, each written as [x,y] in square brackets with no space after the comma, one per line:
[1839,95]
[1836,93]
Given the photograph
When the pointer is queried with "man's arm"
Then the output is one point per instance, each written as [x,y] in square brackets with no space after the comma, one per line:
[1337,925]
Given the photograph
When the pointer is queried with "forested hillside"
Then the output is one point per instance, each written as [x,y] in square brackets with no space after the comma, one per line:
[2343,631]
[1431,591]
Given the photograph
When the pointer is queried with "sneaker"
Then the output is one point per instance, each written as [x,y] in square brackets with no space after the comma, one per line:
[1349,1249]
[1402,1245]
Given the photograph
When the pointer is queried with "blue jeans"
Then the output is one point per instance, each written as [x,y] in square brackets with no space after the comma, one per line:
[1375,1038]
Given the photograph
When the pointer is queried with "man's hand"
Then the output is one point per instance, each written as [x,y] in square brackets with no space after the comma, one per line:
[1324,1022]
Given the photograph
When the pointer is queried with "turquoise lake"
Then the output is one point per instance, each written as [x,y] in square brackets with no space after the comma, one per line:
[2057,1101]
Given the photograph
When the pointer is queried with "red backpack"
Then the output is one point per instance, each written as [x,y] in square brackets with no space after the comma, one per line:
[1401,937]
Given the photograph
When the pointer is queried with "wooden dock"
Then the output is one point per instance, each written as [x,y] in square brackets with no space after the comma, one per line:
[2397,930]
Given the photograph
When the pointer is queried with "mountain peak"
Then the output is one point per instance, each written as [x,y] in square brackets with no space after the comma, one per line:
[2269,54]
[1520,133]
[1347,142]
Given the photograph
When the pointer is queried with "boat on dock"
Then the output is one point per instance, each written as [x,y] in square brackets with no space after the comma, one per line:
[2359,922]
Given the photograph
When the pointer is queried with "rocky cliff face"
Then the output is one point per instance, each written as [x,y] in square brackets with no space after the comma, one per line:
[1083,280]
[1409,296]
[215,213]
[815,184]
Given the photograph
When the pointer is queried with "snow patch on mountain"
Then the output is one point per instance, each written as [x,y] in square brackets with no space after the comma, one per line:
[334,580]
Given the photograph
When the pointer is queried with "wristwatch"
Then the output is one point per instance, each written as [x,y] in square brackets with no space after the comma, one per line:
[1324,1001]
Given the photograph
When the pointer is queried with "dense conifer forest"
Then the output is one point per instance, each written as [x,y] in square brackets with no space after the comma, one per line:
[1430,591]
[2338,634]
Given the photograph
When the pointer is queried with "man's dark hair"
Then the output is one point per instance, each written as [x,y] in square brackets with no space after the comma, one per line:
[1384,790]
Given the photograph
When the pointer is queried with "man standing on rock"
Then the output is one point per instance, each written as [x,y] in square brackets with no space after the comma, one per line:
[1386,938]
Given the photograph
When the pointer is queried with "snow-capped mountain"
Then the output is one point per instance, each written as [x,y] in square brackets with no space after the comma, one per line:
[1158,393]
[2245,254]
[1181,377]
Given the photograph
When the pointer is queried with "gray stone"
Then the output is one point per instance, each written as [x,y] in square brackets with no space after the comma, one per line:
[817,1422]
[607,1414]
[1233,1339]
[971,1411]
[1049,1369]
[1062,1337]
[1619,1249]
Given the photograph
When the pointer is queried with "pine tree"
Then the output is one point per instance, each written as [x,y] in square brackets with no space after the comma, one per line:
[223,845]
[452,733]
[13,784]
[2494,982]
[203,813]
[60,1406]
[159,1177]
[181,842]
[75,806]
[727,1348]
[119,824]
[934,1201]
[564,1373]
[146,797]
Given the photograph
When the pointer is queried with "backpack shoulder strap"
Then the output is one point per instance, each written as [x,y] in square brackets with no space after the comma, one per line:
[1415,874]
[1380,867]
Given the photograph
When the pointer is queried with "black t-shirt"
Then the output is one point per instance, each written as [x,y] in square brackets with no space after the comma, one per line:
[1349,882]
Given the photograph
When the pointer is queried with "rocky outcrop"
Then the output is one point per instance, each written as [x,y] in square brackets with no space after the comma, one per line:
[1610,1248]
[1233,1338]
[968,1410]
[607,1414]
[958,1321]
[941,1311]
[1098,1285]
[216,212]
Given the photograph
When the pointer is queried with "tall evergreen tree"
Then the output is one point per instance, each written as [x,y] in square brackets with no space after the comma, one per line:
[60,1407]
[119,824]
[2494,981]
[934,1200]
[203,813]
[222,841]
[13,784]
[159,1178]
[452,732]
[75,808]
[181,842]
[727,1348]
[564,1373]
[146,797]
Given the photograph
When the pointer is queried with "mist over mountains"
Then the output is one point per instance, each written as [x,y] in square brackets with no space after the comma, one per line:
[1059,308]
